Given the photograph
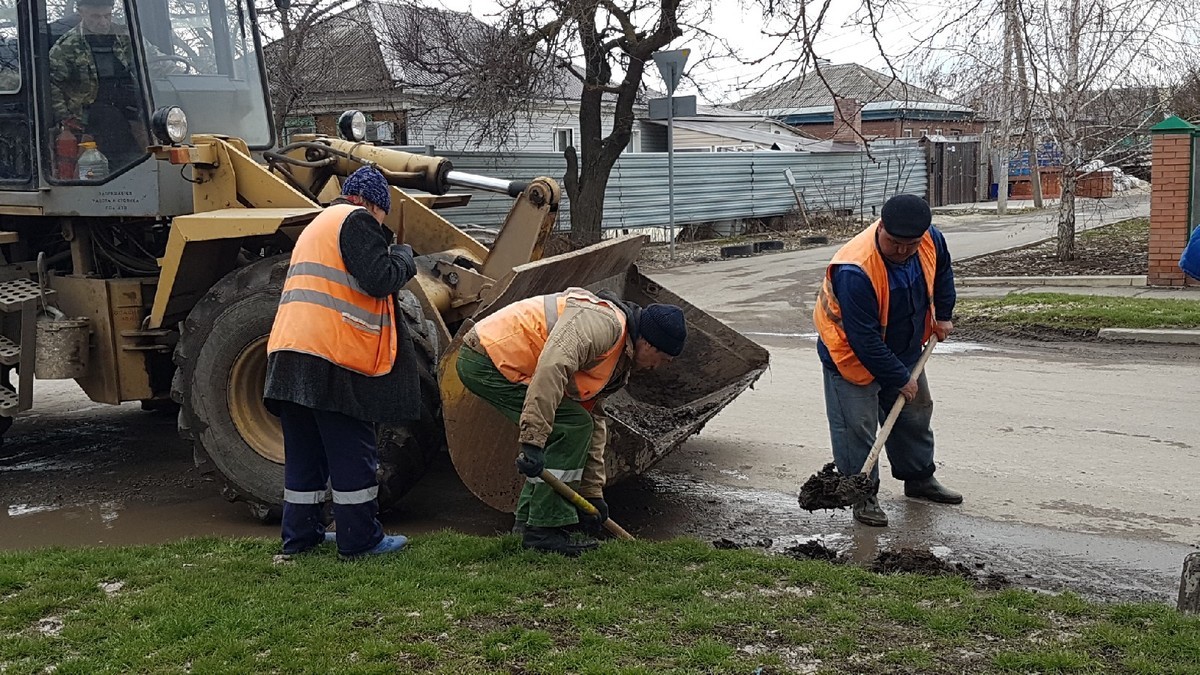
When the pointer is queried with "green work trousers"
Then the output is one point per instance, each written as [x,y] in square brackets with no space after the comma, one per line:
[566,448]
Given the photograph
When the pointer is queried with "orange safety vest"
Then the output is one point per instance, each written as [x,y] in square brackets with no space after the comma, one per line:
[827,316]
[324,312]
[515,336]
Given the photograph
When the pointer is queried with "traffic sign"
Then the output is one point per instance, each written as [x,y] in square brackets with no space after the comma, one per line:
[670,65]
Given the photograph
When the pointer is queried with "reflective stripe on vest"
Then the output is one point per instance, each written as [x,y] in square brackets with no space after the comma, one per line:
[863,251]
[323,310]
[515,336]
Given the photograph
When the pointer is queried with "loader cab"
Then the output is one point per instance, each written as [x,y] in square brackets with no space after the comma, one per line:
[78,72]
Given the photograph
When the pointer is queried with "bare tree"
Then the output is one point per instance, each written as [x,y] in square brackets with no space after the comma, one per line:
[1089,60]
[595,51]
[1091,78]
[293,51]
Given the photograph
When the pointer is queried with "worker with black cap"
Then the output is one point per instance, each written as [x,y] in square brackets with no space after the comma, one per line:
[547,363]
[886,291]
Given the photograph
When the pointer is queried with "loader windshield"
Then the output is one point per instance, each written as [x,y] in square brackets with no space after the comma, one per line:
[203,56]
[110,63]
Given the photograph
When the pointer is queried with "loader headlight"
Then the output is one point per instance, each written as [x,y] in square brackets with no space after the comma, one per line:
[169,124]
[352,125]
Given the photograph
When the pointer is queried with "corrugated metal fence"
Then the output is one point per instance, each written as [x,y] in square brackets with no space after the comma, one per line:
[710,187]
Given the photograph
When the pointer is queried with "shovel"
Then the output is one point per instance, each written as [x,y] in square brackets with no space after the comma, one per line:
[831,490]
[583,504]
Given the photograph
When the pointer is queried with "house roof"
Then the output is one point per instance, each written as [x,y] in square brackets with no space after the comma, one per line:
[361,49]
[811,92]
[738,131]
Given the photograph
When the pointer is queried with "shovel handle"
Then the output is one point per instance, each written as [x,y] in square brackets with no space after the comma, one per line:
[894,414]
[583,504]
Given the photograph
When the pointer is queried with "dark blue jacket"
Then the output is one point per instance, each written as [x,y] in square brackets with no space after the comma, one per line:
[891,360]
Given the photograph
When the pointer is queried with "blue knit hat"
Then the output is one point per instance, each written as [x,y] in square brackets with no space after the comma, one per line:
[664,328]
[369,184]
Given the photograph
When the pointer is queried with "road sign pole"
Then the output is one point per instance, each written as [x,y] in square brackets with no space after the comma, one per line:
[671,176]
[670,65]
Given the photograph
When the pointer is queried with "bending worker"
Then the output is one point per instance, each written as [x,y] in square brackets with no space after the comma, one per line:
[339,363]
[547,363]
[885,293]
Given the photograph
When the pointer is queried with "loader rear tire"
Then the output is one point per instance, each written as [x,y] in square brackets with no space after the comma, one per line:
[219,379]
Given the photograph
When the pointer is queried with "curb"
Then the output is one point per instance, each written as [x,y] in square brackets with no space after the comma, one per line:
[1165,336]
[1096,281]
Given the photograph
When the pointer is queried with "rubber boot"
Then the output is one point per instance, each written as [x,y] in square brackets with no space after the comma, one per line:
[868,512]
[555,540]
[931,489]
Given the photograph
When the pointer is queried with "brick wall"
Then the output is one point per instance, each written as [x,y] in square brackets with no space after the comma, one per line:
[1169,193]
[896,128]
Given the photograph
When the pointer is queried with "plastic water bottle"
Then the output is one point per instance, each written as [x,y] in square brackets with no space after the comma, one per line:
[92,165]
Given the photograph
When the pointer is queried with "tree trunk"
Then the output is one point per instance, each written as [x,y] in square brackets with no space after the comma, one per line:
[1066,216]
[1035,174]
[1069,139]
[1005,114]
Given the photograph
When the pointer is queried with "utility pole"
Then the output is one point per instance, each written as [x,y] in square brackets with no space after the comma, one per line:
[1031,139]
[1005,114]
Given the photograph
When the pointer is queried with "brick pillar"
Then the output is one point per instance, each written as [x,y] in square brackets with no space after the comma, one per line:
[847,120]
[1170,196]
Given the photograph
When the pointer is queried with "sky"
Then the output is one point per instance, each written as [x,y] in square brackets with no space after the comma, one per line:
[725,80]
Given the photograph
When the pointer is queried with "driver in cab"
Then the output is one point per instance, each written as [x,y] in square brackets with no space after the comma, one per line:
[93,83]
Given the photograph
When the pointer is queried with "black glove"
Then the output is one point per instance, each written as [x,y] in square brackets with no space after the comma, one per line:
[531,461]
[593,524]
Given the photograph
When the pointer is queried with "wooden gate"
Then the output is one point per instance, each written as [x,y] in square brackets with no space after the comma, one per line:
[953,169]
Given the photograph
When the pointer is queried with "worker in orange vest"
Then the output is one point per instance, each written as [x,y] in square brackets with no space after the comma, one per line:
[885,293]
[547,363]
[339,363]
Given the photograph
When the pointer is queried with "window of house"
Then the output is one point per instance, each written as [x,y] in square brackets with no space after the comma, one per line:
[563,139]
[924,132]
[635,141]
[937,132]
[908,133]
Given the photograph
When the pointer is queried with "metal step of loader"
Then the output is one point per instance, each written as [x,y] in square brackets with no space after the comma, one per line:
[19,300]
[10,352]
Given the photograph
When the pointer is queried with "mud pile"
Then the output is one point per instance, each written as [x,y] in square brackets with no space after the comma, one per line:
[829,489]
[923,561]
[812,550]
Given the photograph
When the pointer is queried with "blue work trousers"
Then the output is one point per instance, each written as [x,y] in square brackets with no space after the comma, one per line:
[329,449]
[855,413]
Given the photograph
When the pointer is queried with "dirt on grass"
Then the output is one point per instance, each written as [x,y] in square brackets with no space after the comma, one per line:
[925,562]
[812,550]
[1122,248]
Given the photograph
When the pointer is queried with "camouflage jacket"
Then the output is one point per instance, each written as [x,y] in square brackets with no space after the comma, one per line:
[74,82]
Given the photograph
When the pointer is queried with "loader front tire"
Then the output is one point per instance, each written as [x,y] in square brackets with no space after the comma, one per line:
[221,367]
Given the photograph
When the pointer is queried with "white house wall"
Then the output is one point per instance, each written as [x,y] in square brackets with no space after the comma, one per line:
[534,134]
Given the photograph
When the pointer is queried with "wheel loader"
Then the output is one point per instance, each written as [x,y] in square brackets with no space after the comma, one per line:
[147,215]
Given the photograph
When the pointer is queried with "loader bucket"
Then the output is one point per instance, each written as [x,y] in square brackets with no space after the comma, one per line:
[648,419]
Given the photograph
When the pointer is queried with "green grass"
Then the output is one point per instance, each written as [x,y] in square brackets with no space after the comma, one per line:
[454,603]
[1120,230]
[1078,312]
